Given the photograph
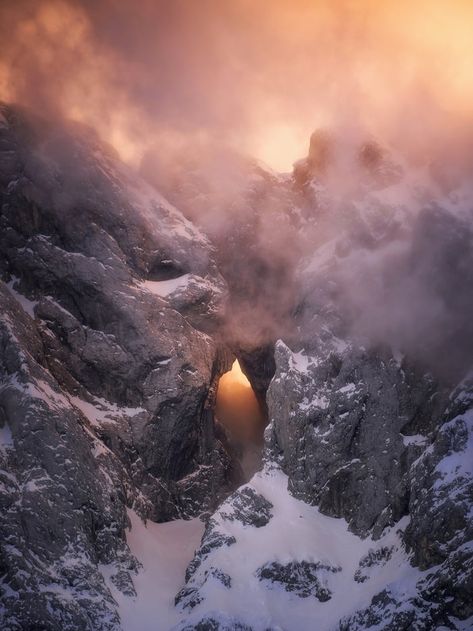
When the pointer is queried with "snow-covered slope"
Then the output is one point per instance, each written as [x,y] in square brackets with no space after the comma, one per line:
[163,552]
[288,563]
[270,561]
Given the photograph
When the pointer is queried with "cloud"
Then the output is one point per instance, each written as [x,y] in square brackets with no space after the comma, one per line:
[259,75]
[200,83]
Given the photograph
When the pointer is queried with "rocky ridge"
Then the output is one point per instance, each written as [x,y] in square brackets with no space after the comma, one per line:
[113,310]
[109,297]
[365,431]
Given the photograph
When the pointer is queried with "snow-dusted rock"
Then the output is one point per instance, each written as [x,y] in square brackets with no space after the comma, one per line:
[62,493]
[112,309]
[105,373]
[300,566]
[359,411]
[337,429]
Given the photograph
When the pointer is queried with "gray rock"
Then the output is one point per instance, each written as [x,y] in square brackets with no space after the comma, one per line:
[337,428]
[107,372]
[378,557]
[218,622]
[212,539]
[82,237]
[63,508]
[302,578]
[441,486]
[112,315]
[190,597]
[248,507]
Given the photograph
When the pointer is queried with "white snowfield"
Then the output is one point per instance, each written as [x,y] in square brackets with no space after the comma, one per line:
[164,551]
[296,532]
[164,288]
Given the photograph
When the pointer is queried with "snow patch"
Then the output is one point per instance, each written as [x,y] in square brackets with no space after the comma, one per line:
[457,464]
[27,304]
[164,551]
[6,438]
[102,410]
[417,439]
[296,532]
[164,288]
[349,389]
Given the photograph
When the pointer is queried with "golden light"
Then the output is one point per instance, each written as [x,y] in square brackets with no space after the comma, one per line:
[237,407]
[279,145]
[235,375]
[264,75]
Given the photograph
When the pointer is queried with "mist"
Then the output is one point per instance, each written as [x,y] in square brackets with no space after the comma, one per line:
[195,95]
[257,76]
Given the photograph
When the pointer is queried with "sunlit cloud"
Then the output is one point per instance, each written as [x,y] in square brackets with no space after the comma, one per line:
[260,76]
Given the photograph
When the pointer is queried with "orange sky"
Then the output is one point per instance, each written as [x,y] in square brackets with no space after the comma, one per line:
[259,74]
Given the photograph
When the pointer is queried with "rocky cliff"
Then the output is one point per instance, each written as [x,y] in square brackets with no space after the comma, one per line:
[370,417]
[344,289]
[109,301]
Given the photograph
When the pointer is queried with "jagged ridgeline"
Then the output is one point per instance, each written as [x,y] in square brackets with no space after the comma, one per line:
[344,289]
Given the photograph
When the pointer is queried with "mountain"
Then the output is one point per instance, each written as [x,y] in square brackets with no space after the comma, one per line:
[108,366]
[345,291]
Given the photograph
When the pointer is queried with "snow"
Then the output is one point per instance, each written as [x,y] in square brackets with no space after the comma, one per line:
[300,362]
[416,439]
[162,215]
[321,402]
[190,283]
[464,625]
[40,389]
[407,195]
[164,288]
[6,438]
[322,256]
[297,532]
[27,305]
[339,345]
[457,464]
[349,389]
[102,410]
[164,550]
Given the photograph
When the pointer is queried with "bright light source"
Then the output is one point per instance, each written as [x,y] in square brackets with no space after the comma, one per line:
[237,407]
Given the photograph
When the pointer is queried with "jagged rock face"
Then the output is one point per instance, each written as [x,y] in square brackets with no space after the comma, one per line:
[303,565]
[258,364]
[246,210]
[296,566]
[299,577]
[219,622]
[377,438]
[441,486]
[106,370]
[401,453]
[337,429]
[113,306]
[85,244]
[333,156]
[63,496]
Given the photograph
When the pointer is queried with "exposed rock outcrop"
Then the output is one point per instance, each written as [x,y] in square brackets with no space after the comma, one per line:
[113,314]
[106,366]
[366,419]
